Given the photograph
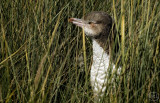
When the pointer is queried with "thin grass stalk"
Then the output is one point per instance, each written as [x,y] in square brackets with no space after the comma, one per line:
[84,49]
[115,16]
[123,40]
[122,32]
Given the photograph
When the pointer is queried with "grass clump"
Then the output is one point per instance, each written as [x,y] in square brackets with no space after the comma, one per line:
[40,52]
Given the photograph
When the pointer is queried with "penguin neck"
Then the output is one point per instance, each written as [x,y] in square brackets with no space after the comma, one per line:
[100,57]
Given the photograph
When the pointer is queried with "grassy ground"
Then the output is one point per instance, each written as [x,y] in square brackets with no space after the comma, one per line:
[40,51]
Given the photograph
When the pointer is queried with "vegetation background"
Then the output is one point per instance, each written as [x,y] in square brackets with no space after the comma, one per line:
[41,54]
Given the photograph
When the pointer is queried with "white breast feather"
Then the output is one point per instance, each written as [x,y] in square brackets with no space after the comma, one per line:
[99,69]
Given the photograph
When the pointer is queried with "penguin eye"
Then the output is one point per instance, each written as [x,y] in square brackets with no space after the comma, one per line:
[90,22]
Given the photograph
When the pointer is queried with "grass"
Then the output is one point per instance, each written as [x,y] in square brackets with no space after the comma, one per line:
[40,51]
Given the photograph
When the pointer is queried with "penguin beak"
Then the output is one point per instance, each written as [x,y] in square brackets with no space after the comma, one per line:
[79,22]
